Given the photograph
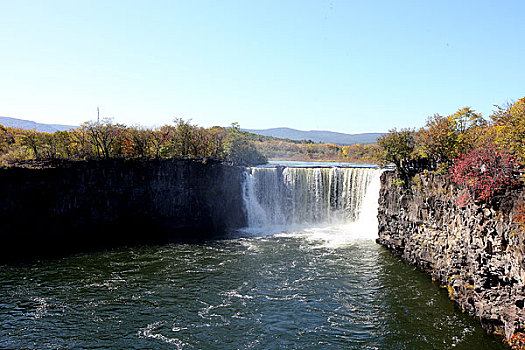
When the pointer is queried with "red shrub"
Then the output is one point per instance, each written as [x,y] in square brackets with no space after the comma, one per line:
[484,171]
[517,341]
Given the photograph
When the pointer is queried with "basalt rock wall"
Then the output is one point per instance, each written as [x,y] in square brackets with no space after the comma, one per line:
[90,205]
[476,251]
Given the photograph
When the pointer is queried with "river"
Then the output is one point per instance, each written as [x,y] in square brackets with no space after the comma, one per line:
[321,285]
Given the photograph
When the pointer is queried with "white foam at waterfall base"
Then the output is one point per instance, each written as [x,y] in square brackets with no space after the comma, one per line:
[332,206]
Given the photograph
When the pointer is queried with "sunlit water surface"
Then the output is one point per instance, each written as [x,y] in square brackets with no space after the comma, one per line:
[314,289]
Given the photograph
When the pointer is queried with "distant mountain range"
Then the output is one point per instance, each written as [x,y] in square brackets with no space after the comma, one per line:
[30,125]
[318,136]
[283,133]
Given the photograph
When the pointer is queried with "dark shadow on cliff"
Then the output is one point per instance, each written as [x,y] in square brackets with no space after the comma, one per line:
[88,206]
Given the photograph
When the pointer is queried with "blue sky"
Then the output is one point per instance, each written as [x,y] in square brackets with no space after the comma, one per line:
[347,66]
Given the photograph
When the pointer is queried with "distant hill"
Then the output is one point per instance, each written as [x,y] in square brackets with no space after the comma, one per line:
[30,125]
[283,133]
[318,136]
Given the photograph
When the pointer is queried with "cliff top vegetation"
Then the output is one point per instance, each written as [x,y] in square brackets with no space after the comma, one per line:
[107,140]
[482,156]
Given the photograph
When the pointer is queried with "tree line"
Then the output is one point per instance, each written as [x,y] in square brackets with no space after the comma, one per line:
[283,149]
[483,156]
[107,140]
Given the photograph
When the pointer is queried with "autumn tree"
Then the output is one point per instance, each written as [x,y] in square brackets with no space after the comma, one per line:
[64,144]
[182,138]
[359,151]
[397,147]
[80,145]
[103,136]
[217,135]
[33,140]
[509,128]
[443,139]
[49,146]
[140,143]
[483,172]
[160,138]
[199,142]
[6,139]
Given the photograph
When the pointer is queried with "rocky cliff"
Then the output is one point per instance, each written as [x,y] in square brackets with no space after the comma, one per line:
[476,252]
[89,205]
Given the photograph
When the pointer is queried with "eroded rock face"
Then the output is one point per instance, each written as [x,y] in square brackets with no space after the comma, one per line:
[476,252]
[91,205]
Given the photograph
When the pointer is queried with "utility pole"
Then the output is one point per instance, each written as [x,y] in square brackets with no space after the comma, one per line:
[98,115]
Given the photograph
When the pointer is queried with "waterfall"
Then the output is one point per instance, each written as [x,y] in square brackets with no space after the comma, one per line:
[286,196]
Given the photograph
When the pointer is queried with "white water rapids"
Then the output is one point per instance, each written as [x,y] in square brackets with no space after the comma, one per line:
[333,204]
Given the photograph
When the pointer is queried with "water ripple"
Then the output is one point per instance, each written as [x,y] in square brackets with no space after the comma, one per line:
[287,291]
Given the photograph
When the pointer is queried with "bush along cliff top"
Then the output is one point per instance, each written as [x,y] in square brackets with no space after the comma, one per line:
[482,157]
[107,140]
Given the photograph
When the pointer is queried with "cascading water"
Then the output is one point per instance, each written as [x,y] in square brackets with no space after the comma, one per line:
[286,196]
[324,285]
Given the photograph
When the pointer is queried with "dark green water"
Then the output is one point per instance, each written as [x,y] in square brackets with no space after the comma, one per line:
[308,290]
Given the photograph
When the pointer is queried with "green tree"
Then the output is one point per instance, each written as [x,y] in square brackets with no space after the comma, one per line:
[239,150]
[64,144]
[33,141]
[49,146]
[397,147]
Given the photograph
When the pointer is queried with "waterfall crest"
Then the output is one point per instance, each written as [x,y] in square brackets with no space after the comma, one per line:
[286,196]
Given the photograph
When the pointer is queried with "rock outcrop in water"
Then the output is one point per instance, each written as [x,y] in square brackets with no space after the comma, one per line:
[88,205]
[476,252]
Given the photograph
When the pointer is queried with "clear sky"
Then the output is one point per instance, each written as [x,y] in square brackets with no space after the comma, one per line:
[347,66]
